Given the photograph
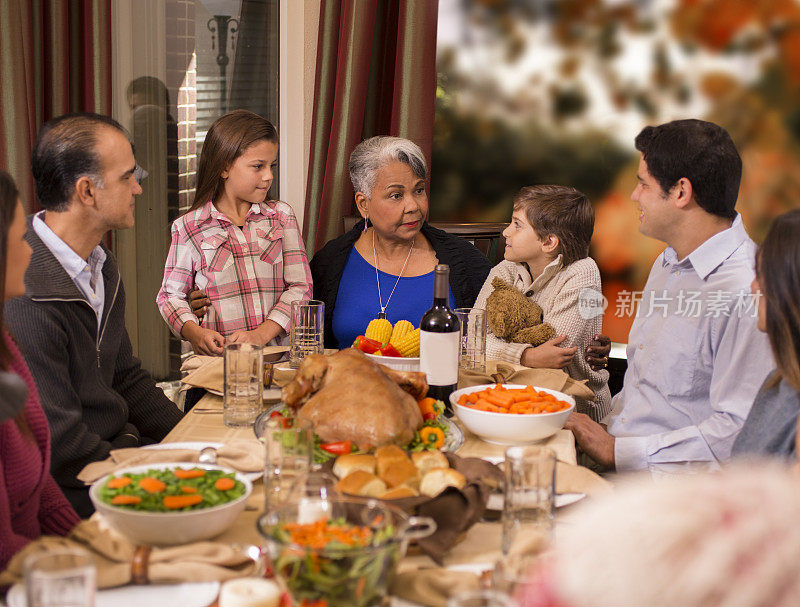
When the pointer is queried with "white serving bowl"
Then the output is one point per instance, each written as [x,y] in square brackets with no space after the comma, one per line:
[410,363]
[511,428]
[170,528]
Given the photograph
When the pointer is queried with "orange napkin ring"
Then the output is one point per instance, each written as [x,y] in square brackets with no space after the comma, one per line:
[139,565]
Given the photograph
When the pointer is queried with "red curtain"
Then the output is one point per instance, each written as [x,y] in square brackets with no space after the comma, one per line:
[55,57]
[376,75]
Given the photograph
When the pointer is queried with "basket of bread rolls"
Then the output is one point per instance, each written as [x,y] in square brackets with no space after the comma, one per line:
[391,473]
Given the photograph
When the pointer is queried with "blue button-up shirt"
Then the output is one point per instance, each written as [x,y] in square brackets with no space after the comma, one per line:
[86,274]
[695,359]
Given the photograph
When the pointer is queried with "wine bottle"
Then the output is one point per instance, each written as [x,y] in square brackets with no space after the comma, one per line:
[440,342]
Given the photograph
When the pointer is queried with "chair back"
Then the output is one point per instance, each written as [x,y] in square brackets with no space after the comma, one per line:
[486,236]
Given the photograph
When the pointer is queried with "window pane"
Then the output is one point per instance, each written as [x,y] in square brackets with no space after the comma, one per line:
[179,65]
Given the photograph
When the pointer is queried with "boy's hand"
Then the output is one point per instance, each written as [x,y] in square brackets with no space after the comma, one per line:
[549,355]
[597,352]
[198,302]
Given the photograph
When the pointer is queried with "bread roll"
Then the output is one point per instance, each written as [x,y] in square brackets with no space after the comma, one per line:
[438,479]
[428,460]
[401,472]
[345,464]
[362,483]
[386,456]
[399,493]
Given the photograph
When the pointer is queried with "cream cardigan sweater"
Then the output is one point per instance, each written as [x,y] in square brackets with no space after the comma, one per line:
[556,290]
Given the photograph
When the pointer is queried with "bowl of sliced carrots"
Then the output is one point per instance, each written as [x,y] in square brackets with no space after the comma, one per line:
[511,414]
[171,503]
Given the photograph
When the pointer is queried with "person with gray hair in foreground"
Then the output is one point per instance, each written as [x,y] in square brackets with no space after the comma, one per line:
[729,540]
[386,262]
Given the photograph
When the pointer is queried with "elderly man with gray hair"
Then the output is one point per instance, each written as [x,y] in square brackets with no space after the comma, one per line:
[386,262]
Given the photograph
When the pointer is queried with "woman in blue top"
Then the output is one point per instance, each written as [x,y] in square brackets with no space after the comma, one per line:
[386,262]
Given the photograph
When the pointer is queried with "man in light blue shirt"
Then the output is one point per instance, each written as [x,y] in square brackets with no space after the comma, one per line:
[695,356]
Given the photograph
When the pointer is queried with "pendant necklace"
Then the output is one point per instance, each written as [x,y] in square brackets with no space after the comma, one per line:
[378,280]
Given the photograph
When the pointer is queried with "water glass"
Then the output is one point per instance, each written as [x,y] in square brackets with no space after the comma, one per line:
[473,339]
[289,453]
[60,578]
[243,389]
[512,574]
[481,598]
[306,337]
[528,500]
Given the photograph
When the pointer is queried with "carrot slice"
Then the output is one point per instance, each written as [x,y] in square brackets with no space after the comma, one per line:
[187,489]
[175,502]
[225,483]
[185,474]
[126,500]
[152,485]
[120,482]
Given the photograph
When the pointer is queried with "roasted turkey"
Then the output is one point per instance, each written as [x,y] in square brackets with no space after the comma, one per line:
[346,396]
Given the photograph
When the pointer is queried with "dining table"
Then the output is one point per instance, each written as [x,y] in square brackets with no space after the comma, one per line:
[480,546]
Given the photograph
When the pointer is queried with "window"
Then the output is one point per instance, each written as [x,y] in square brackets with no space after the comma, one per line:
[179,65]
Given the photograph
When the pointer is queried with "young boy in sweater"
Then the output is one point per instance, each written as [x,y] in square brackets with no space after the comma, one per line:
[547,259]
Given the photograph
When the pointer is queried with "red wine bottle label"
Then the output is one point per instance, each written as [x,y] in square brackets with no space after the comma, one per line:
[439,357]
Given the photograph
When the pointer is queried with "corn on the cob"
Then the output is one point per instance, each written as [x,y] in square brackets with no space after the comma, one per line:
[379,329]
[408,345]
[401,329]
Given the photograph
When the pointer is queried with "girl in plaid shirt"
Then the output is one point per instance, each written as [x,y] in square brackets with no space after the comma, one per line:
[243,250]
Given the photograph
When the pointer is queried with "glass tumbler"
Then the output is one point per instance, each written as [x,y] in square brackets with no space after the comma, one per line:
[307,330]
[60,578]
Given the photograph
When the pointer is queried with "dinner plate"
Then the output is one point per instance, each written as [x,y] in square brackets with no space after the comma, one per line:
[199,594]
[269,394]
[199,446]
[453,440]
[495,501]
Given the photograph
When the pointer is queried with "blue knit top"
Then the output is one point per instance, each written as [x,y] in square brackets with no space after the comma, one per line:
[357,299]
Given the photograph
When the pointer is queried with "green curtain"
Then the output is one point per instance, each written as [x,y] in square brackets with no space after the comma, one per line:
[55,57]
[376,75]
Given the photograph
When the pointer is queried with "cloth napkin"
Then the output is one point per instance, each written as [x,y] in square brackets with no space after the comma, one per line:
[207,371]
[244,455]
[432,587]
[454,510]
[113,556]
[500,372]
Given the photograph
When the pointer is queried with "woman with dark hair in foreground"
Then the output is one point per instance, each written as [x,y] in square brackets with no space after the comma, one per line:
[31,504]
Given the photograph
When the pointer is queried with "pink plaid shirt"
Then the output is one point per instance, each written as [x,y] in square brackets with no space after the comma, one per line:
[250,275]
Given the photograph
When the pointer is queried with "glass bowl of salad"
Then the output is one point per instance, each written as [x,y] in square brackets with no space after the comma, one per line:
[339,551]
[171,503]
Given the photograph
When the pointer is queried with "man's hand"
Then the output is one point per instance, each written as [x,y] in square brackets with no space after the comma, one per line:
[549,355]
[198,302]
[204,341]
[592,438]
[245,337]
[597,353]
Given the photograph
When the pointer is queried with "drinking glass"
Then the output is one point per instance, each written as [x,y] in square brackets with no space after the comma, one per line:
[481,598]
[289,452]
[512,573]
[60,578]
[473,339]
[306,337]
[528,500]
[243,390]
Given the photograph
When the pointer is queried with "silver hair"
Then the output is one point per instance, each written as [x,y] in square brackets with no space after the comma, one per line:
[372,154]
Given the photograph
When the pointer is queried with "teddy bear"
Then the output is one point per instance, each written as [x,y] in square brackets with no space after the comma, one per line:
[514,317]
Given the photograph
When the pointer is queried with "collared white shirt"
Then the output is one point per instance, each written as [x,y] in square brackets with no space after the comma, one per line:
[695,359]
[87,275]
